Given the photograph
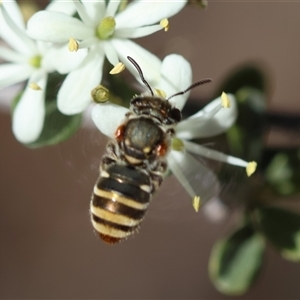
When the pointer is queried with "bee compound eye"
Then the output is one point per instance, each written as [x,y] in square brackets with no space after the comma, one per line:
[176,114]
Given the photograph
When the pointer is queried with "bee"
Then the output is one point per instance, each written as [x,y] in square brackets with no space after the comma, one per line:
[134,166]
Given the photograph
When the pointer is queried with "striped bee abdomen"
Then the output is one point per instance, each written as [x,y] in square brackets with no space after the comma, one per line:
[120,199]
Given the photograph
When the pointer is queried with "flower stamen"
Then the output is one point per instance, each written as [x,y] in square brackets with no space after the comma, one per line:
[251,167]
[196,203]
[73,45]
[219,156]
[164,23]
[174,161]
[160,93]
[225,100]
[118,68]
[34,86]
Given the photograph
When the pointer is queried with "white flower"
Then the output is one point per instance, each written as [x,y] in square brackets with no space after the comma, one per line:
[105,31]
[28,60]
[215,118]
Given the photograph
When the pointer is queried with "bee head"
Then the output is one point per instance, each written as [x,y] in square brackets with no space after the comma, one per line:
[156,107]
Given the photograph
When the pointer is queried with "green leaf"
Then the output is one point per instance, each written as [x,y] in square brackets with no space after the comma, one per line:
[120,90]
[283,172]
[15,102]
[236,261]
[245,139]
[246,136]
[245,76]
[57,127]
[282,228]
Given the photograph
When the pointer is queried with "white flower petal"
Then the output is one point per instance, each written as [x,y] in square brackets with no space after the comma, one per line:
[62,60]
[11,56]
[108,116]
[88,42]
[176,76]
[149,63]
[95,10]
[200,125]
[62,6]
[12,34]
[42,47]
[207,109]
[136,32]
[29,114]
[75,94]
[197,179]
[56,27]
[112,8]
[84,16]
[141,13]
[110,52]
[13,73]
[15,13]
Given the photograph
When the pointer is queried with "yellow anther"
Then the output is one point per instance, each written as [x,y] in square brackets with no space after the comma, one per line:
[34,86]
[251,167]
[196,203]
[100,94]
[73,45]
[118,68]
[177,144]
[164,23]
[160,93]
[225,100]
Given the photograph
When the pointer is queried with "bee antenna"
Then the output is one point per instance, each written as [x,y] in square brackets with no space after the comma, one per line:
[140,73]
[206,80]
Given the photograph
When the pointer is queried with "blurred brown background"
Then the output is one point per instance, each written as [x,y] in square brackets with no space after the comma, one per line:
[47,246]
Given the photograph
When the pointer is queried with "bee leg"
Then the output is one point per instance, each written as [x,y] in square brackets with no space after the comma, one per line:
[156,174]
[111,157]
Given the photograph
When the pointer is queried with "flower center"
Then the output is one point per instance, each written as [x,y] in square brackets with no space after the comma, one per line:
[35,61]
[106,28]
[177,144]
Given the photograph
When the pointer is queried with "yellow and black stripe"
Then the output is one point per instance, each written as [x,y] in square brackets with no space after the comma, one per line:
[120,199]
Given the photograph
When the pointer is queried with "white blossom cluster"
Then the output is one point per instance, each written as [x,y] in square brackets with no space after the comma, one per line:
[55,40]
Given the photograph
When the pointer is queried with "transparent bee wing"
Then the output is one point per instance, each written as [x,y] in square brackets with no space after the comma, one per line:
[195,177]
